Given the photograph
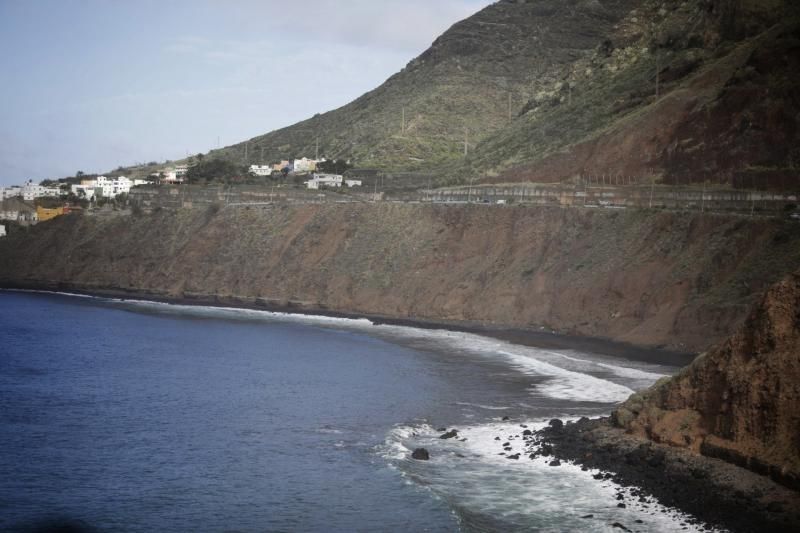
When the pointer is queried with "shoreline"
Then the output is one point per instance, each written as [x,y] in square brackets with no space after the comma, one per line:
[711,490]
[538,338]
[716,492]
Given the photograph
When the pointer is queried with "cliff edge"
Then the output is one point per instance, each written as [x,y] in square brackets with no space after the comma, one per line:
[677,280]
[738,402]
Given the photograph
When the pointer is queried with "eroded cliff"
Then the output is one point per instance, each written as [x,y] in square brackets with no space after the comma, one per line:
[667,279]
[738,402]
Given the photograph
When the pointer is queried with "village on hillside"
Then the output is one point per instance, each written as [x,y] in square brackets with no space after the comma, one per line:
[31,202]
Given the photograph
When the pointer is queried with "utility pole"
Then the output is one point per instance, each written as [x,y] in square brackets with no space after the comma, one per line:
[316,153]
[466,141]
[658,72]
[429,188]
[703,199]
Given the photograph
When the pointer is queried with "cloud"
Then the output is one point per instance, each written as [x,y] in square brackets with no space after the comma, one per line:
[408,26]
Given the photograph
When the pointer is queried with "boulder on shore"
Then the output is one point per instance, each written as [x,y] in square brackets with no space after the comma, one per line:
[420,454]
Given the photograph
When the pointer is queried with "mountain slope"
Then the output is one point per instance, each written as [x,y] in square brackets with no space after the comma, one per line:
[472,81]
[725,111]
[550,90]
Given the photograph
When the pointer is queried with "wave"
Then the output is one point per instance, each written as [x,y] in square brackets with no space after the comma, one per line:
[478,479]
[487,407]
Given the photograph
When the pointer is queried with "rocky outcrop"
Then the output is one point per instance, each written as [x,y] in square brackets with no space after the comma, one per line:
[647,278]
[740,401]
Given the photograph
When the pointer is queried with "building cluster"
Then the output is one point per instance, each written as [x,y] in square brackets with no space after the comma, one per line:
[15,210]
[88,188]
[291,166]
[28,192]
[171,175]
[104,187]
[13,206]
[26,214]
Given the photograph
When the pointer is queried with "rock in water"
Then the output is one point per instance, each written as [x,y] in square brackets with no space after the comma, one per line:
[449,435]
[556,423]
[421,454]
[555,462]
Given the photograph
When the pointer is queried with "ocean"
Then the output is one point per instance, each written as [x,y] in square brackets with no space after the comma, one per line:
[120,415]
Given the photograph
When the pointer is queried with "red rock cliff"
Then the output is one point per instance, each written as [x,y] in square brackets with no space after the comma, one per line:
[741,400]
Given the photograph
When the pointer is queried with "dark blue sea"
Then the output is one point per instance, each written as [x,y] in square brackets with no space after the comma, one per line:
[139,416]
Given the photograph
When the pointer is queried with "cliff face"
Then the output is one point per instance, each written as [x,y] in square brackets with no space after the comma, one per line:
[739,401]
[677,280]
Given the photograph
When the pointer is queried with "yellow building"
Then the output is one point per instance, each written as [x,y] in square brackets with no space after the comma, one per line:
[43,213]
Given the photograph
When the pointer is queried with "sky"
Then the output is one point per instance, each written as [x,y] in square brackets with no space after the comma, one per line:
[91,85]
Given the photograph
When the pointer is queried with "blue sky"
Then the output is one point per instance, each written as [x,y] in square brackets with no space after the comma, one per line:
[90,85]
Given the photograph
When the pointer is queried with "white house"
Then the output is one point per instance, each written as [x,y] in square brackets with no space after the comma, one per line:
[10,192]
[328,180]
[103,186]
[107,186]
[31,191]
[171,175]
[9,215]
[2,230]
[261,170]
[352,183]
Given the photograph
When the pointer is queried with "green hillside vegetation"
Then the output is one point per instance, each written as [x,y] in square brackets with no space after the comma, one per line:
[473,81]
[548,90]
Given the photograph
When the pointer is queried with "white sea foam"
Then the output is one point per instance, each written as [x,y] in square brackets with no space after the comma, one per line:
[622,371]
[487,407]
[562,383]
[471,474]
[568,375]
[568,385]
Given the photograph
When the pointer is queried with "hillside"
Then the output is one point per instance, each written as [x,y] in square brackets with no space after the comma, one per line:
[725,112]
[473,80]
[659,279]
[548,90]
